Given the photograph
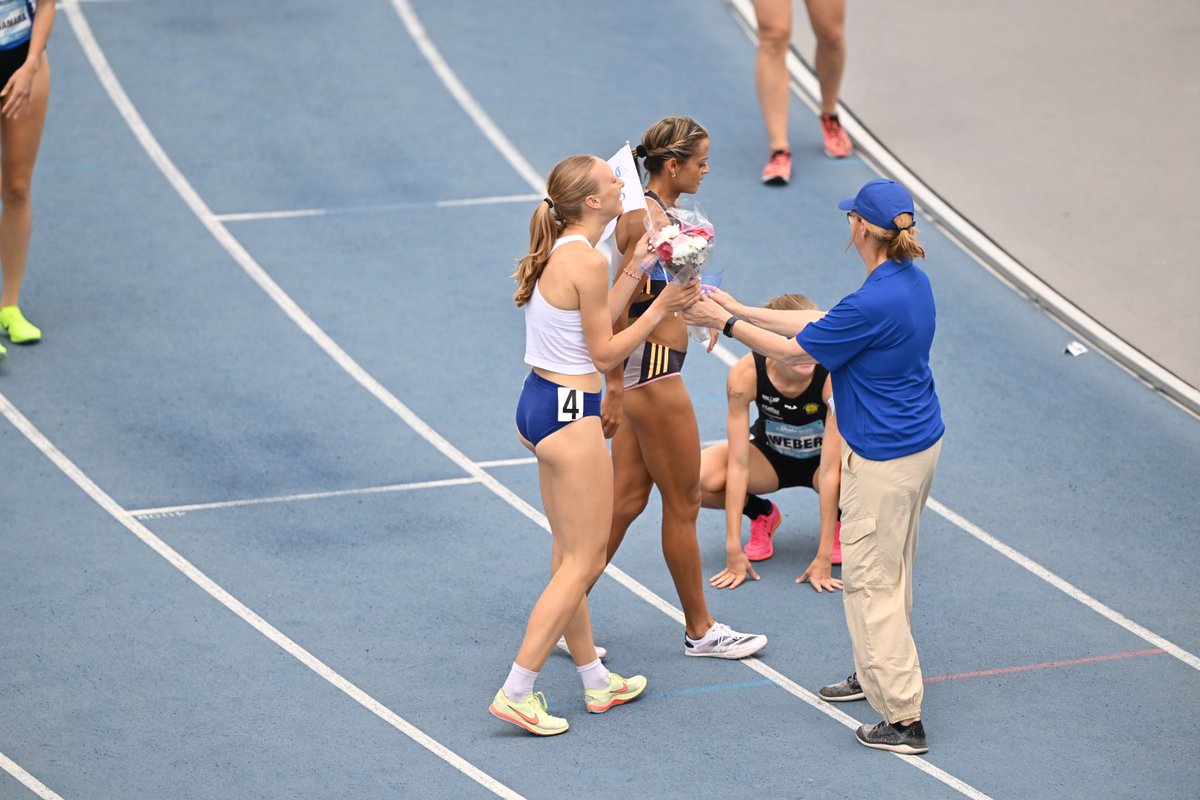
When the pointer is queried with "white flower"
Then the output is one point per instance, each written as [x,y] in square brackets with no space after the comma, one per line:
[666,234]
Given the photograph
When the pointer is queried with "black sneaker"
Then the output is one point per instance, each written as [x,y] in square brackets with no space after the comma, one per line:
[886,736]
[843,692]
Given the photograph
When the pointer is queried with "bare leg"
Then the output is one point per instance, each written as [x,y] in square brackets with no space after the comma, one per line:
[770,67]
[828,19]
[714,463]
[665,424]
[19,142]
[631,483]
[579,630]
[578,480]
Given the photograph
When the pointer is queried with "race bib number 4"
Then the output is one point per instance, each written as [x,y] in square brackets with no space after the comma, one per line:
[570,404]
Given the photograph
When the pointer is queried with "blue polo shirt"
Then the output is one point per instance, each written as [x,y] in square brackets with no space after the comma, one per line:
[875,344]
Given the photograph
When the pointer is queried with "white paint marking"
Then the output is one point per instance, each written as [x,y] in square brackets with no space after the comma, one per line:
[1065,587]
[252,216]
[133,119]
[179,511]
[197,577]
[31,783]
[508,462]
[479,201]
[986,252]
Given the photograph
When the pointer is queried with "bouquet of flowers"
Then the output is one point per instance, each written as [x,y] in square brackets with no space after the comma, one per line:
[683,243]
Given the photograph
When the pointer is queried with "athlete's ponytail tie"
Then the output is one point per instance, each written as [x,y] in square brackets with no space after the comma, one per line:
[641,151]
[548,202]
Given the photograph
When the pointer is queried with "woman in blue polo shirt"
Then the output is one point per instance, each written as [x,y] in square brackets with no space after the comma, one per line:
[875,344]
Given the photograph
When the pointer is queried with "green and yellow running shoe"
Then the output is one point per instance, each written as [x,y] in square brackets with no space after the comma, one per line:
[620,690]
[19,329]
[529,714]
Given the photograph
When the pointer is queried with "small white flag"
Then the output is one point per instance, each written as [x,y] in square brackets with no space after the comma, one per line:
[632,198]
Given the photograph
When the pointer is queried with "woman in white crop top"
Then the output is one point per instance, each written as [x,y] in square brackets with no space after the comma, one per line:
[569,309]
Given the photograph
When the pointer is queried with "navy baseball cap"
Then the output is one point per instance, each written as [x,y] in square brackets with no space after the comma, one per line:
[880,202]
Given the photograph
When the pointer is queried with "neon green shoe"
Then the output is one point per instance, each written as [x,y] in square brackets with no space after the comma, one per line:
[19,329]
[529,714]
[620,690]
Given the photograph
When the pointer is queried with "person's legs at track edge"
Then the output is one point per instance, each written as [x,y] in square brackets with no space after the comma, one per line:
[828,20]
[19,142]
[773,83]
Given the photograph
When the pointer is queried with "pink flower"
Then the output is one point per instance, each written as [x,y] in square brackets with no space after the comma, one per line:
[703,231]
[664,252]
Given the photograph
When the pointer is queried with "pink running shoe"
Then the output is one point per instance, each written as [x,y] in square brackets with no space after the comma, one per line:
[837,141]
[778,170]
[759,548]
[836,558]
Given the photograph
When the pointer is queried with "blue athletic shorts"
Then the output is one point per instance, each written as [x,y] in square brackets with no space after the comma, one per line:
[545,407]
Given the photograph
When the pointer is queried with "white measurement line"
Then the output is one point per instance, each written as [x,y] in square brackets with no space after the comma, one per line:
[31,783]
[252,216]
[178,511]
[977,244]
[1064,586]
[508,462]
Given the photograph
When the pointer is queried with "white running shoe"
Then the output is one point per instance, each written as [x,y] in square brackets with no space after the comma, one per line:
[562,645]
[721,641]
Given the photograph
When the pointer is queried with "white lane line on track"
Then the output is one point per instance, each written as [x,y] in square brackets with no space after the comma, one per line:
[127,110]
[254,216]
[31,783]
[175,511]
[1064,586]
[102,499]
[965,233]
[986,252]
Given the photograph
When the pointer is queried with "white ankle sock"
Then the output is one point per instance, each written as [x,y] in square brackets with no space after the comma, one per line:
[593,675]
[519,684]
[706,635]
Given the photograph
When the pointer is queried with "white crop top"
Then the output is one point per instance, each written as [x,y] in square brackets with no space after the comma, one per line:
[554,336]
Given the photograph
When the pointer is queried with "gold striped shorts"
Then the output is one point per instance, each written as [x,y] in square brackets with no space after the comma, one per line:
[652,362]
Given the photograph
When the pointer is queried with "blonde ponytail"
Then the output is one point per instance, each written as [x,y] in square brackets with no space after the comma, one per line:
[569,184]
[899,243]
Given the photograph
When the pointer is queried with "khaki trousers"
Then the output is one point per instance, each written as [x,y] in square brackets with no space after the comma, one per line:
[881,513]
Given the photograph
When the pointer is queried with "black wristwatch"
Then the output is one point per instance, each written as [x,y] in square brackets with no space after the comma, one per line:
[728,329]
